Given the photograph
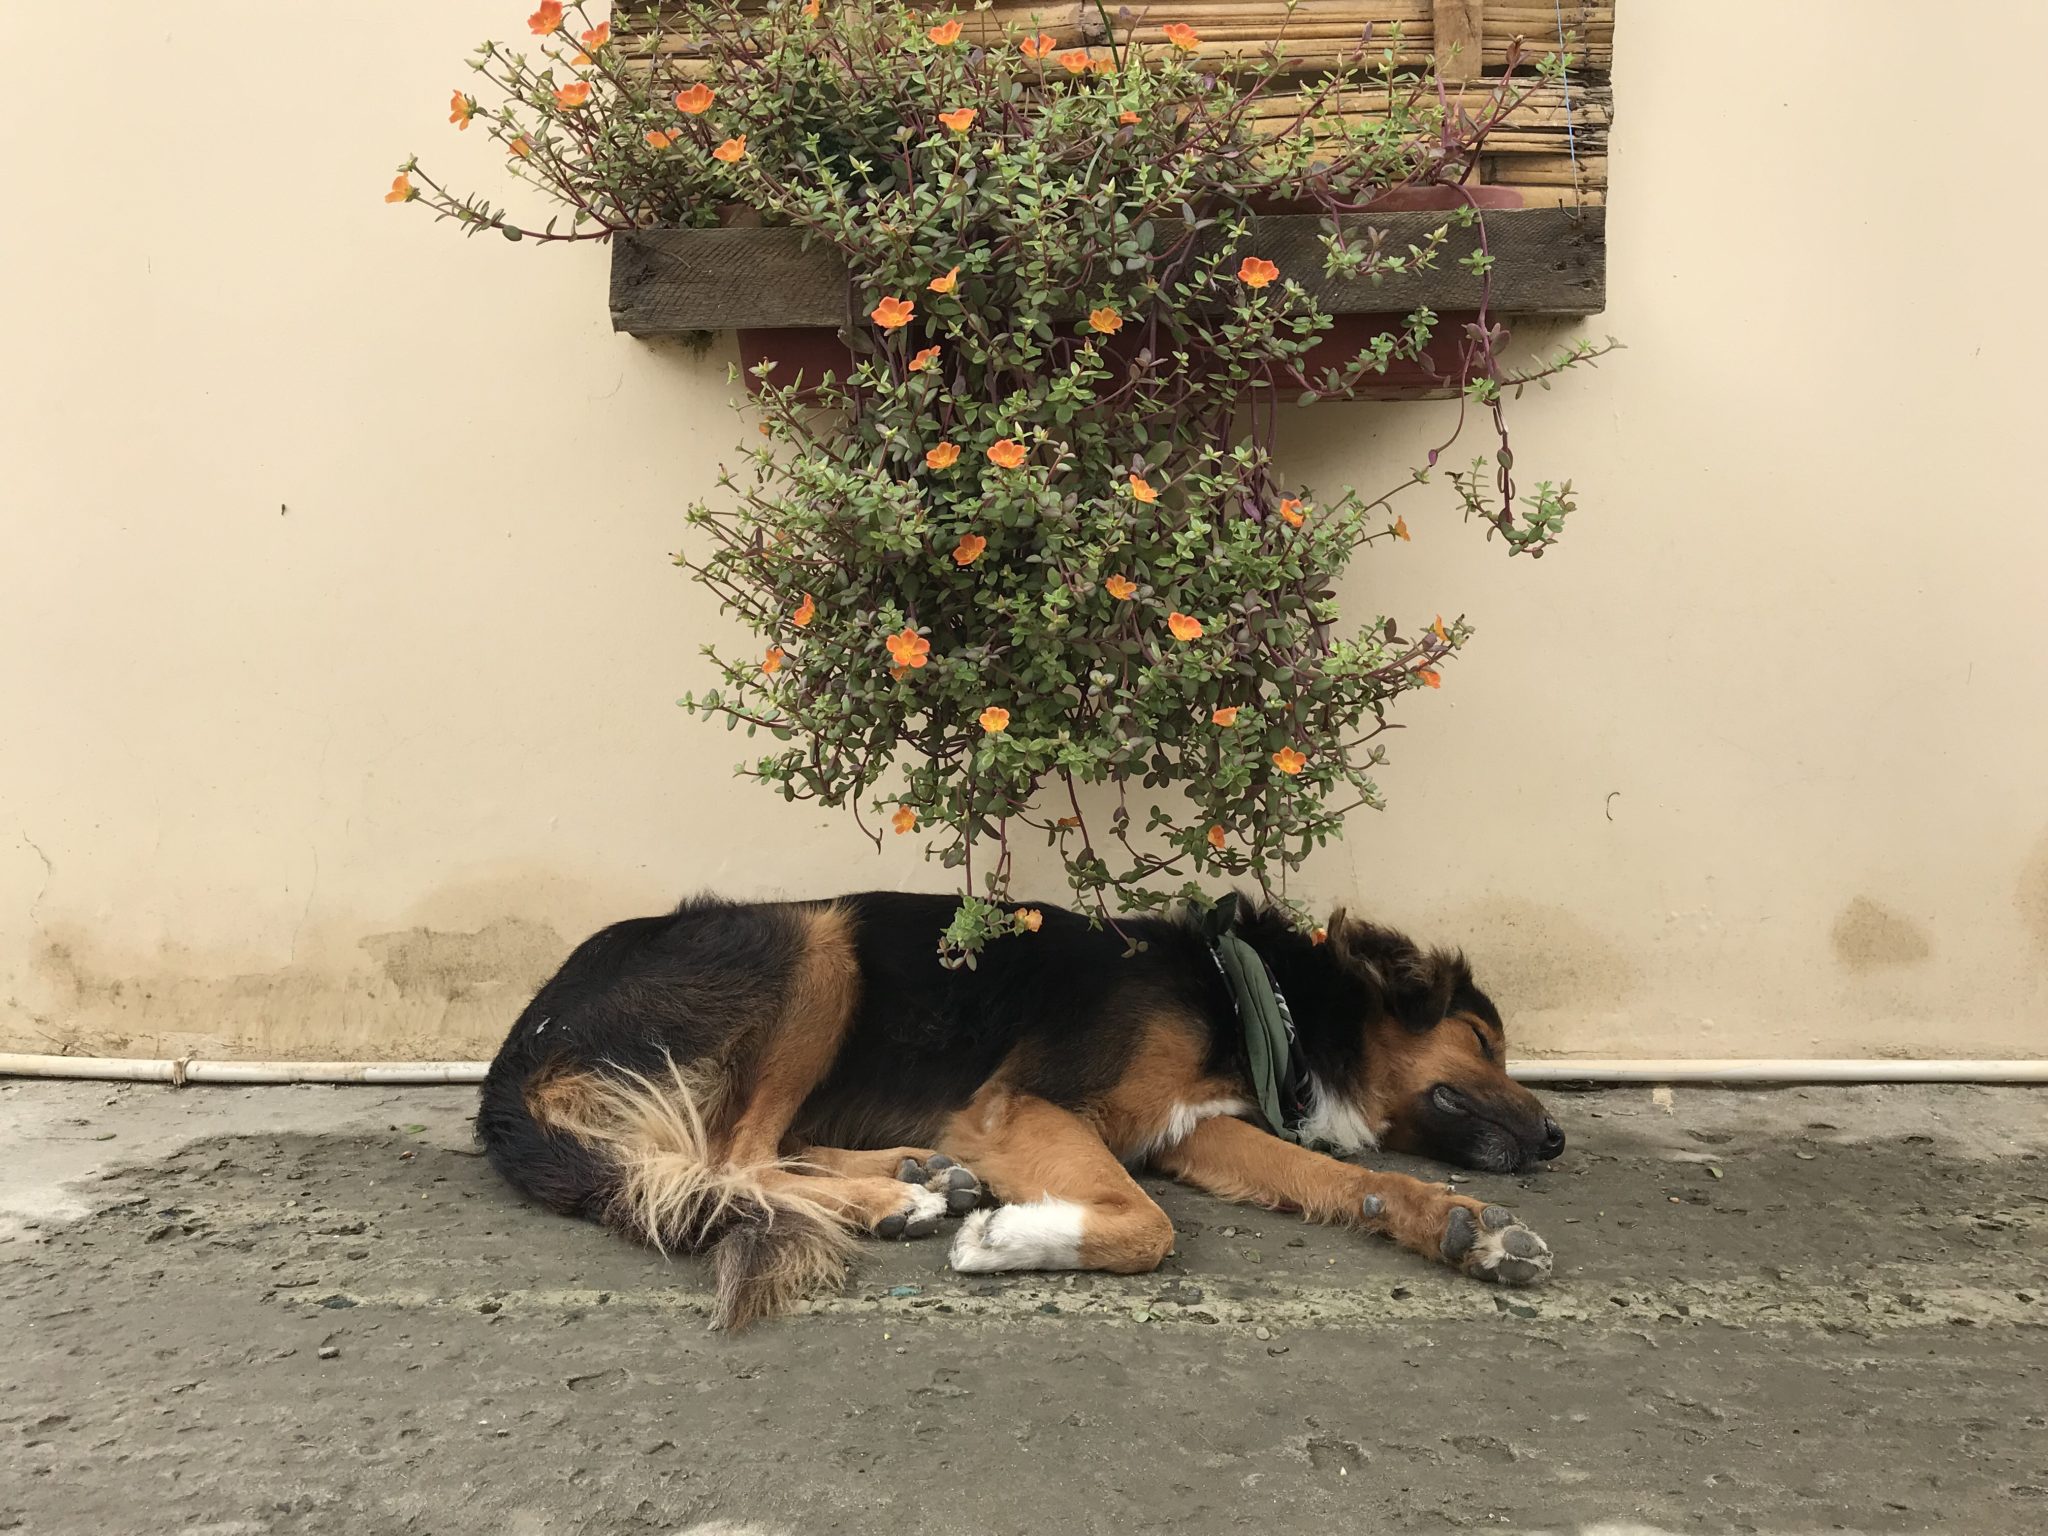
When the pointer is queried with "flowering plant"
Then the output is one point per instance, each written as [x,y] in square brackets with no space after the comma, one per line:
[1034,539]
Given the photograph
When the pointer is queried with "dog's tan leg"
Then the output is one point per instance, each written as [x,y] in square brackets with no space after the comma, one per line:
[1068,1203]
[799,1049]
[933,1171]
[1238,1161]
[884,1164]
[881,1207]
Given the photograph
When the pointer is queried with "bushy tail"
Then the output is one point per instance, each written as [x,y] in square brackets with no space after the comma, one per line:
[771,1245]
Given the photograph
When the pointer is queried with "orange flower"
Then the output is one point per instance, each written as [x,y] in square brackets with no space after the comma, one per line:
[697,98]
[1401,529]
[945,456]
[1127,118]
[905,820]
[772,662]
[1437,629]
[1184,628]
[1075,61]
[1319,935]
[1227,715]
[596,37]
[995,719]
[924,359]
[1290,512]
[547,19]
[909,650]
[806,611]
[1030,919]
[572,96]
[1256,272]
[401,190]
[945,34]
[947,283]
[1216,837]
[522,147]
[892,314]
[731,150]
[1121,588]
[1428,678]
[460,108]
[656,139]
[960,119]
[1182,36]
[1103,66]
[1068,821]
[1106,320]
[1040,46]
[1006,453]
[969,549]
[1141,490]
[811,8]
[1289,761]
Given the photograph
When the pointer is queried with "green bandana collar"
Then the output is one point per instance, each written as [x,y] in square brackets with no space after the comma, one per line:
[1279,1075]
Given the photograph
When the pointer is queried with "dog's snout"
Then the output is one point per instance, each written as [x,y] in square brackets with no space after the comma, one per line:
[1553,1139]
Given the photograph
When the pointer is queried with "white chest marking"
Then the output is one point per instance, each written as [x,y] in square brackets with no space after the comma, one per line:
[1335,1122]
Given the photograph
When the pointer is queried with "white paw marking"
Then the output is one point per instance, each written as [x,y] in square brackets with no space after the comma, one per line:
[1335,1122]
[924,1203]
[1046,1234]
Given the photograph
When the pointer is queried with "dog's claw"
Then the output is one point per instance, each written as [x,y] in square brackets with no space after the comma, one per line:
[1460,1233]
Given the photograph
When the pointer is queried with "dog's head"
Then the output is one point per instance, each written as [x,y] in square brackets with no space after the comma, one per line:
[1435,1057]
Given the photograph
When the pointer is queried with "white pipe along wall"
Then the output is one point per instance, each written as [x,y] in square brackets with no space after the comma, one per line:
[183,1070]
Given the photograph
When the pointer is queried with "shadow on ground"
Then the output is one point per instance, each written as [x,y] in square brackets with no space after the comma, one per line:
[314,1310]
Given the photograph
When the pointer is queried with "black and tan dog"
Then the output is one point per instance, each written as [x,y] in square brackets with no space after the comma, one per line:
[768,1080]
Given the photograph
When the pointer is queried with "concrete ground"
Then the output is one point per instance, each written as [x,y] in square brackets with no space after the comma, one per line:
[310,1310]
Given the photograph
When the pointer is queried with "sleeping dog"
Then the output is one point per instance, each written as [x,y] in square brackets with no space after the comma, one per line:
[767,1081]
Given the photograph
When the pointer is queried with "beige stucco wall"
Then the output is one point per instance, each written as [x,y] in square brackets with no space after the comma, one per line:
[338,648]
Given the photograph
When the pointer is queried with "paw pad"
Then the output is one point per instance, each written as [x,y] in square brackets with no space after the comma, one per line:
[1495,1246]
[939,1174]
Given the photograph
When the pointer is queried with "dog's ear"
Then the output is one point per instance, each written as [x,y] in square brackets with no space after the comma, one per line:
[1414,985]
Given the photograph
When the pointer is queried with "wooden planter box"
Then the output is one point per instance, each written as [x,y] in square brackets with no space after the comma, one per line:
[1547,261]
[1551,156]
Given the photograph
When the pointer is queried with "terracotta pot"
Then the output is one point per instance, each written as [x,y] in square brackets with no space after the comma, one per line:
[1427,199]
[808,350]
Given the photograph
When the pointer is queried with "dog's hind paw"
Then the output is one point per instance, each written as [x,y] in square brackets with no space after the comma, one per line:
[956,1185]
[1493,1245]
[919,1217]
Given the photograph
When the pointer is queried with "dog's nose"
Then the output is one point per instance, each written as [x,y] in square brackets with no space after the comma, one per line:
[1553,1139]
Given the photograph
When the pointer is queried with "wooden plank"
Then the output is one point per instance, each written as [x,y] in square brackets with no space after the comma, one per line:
[1460,27]
[1317,33]
[1549,261]
[675,281]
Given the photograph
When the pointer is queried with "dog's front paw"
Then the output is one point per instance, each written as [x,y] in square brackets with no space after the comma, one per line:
[917,1216]
[956,1185]
[1491,1244]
